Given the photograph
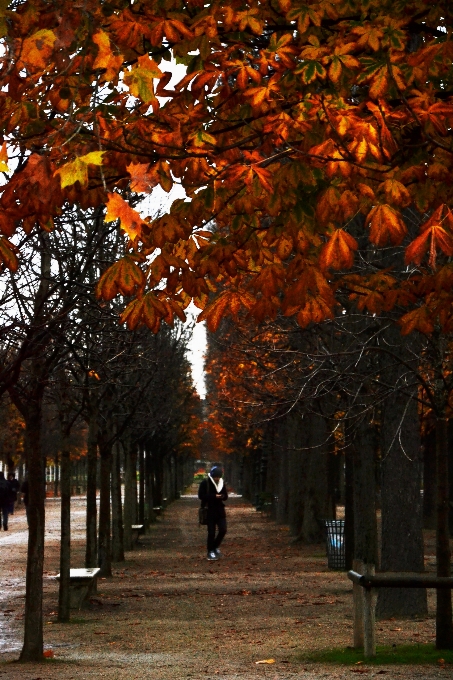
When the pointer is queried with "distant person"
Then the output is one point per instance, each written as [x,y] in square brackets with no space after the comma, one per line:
[4,500]
[212,492]
[25,494]
[14,487]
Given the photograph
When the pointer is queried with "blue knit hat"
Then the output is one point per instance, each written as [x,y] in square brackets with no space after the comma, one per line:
[216,471]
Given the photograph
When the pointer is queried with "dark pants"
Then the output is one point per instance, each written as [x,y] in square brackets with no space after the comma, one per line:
[213,522]
[5,513]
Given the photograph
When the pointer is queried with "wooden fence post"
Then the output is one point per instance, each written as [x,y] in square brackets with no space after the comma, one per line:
[369,615]
[358,599]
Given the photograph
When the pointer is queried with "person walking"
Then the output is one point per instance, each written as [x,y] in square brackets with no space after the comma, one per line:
[4,500]
[212,494]
[14,487]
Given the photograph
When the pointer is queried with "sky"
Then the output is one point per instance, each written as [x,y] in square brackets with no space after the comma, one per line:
[197,349]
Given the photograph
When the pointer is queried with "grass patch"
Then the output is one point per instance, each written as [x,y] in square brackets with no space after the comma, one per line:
[400,654]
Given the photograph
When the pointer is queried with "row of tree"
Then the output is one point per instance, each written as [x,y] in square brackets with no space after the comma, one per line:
[351,411]
[76,383]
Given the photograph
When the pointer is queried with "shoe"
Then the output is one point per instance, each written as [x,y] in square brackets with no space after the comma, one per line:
[218,553]
[212,556]
[5,528]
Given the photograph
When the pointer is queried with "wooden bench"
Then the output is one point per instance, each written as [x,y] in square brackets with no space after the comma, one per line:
[82,585]
[136,529]
[158,510]
[365,600]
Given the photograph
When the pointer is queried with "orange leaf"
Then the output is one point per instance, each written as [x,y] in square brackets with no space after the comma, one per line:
[214,312]
[418,319]
[8,254]
[439,239]
[131,222]
[338,252]
[396,192]
[386,225]
[315,310]
[141,178]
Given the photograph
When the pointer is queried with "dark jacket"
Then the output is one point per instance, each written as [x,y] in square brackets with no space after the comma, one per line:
[14,487]
[4,491]
[207,493]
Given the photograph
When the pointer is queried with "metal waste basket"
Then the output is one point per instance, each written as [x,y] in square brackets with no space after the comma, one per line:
[336,556]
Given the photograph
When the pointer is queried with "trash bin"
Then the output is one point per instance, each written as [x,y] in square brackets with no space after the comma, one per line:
[336,556]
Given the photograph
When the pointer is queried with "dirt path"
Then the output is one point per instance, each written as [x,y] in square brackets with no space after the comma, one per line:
[168,614]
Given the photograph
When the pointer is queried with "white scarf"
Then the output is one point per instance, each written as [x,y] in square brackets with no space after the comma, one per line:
[218,486]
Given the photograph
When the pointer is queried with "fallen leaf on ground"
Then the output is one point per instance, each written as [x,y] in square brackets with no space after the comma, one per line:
[266,661]
[48,654]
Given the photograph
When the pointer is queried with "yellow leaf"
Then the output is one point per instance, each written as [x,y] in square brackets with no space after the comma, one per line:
[335,70]
[105,58]
[379,83]
[36,50]
[4,159]
[266,661]
[140,80]
[77,170]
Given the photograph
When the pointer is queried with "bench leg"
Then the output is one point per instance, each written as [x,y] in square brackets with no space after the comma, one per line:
[357,595]
[369,616]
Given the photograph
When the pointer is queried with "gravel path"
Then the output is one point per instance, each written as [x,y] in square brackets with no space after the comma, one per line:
[168,614]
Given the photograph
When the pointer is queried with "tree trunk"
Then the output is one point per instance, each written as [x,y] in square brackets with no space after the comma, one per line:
[91,556]
[402,518]
[130,492]
[149,512]
[349,519]
[429,480]
[105,549]
[364,496]
[297,455]
[32,649]
[65,544]
[141,499]
[117,510]
[444,625]
[316,505]
[281,441]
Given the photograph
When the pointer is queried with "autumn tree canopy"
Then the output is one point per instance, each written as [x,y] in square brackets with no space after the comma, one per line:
[294,118]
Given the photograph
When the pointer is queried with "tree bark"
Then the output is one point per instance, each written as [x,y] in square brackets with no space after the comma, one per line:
[402,518]
[32,649]
[91,556]
[130,492]
[429,481]
[364,496]
[149,501]
[141,498]
[444,624]
[117,509]
[104,546]
[316,505]
[349,518]
[65,540]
